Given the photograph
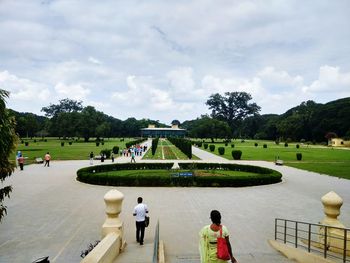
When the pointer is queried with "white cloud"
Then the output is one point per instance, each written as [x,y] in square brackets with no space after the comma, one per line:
[94,60]
[74,91]
[22,89]
[330,79]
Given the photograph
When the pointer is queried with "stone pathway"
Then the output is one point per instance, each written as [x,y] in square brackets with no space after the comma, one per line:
[51,214]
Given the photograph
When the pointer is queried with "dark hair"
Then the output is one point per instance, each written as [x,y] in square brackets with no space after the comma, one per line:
[139,200]
[215,217]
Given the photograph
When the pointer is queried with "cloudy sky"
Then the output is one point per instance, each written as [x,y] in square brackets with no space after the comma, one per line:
[163,59]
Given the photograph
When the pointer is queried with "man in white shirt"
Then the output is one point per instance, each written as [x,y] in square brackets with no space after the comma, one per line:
[140,212]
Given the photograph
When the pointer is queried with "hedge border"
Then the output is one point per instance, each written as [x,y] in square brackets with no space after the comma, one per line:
[99,175]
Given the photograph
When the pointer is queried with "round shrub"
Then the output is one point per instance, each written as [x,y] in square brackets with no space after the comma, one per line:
[70,143]
[256,144]
[265,145]
[34,140]
[298,146]
[299,156]
[232,145]
[26,143]
[115,149]
[237,154]
[102,143]
[97,143]
[62,144]
[221,150]
[212,147]
[226,143]
[277,142]
[286,144]
[205,146]
[199,143]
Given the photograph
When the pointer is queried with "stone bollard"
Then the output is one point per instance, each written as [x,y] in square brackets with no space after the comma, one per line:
[335,237]
[113,223]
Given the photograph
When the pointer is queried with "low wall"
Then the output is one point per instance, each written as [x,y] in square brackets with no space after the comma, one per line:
[106,251]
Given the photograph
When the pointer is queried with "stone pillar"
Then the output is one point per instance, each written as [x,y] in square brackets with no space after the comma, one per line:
[113,223]
[335,237]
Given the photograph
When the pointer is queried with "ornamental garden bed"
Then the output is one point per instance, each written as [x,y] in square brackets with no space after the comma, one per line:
[189,175]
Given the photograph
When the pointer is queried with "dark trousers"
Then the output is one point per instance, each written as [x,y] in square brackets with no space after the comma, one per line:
[47,162]
[21,166]
[140,227]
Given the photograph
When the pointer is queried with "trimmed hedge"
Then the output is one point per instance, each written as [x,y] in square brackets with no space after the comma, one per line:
[237,154]
[115,149]
[99,175]
[154,145]
[221,150]
[212,147]
[299,156]
[183,144]
[205,146]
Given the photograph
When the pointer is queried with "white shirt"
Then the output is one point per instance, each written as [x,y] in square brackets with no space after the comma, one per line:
[140,211]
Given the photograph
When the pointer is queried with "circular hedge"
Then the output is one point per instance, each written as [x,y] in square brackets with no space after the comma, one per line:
[108,175]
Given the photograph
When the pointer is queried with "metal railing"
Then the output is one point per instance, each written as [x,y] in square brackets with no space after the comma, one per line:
[314,238]
[156,244]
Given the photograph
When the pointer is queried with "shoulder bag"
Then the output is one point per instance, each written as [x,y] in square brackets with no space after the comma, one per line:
[222,249]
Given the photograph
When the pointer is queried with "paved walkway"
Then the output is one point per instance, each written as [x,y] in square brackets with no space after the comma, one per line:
[52,214]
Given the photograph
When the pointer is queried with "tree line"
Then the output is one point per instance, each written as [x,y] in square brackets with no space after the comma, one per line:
[233,115]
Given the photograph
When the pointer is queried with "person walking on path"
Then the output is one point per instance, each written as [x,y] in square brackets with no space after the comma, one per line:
[208,240]
[91,156]
[112,157]
[47,159]
[133,155]
[21,161]
[140,212]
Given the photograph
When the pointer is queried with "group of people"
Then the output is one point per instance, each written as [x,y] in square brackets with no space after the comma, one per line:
[208,236]
[21,159]
[134,150]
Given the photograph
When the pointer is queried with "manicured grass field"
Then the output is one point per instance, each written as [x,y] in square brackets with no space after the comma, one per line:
[167,151]
[79,150]
[320,159]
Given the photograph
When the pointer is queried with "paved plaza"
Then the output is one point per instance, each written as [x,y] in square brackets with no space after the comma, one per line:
[51,214]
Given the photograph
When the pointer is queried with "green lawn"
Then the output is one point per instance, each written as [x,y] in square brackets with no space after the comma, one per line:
[77,151]
[326,160]
[167,151]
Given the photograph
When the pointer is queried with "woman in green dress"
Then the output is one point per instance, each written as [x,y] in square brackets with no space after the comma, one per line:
[208,240]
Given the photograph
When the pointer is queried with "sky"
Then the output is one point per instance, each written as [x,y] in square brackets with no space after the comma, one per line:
[161,60]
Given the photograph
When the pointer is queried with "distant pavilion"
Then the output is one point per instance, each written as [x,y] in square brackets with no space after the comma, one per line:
[174,131]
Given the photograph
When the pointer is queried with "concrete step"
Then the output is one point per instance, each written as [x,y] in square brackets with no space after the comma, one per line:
[135,253]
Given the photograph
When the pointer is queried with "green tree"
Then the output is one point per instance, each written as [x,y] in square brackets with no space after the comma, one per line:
[65,105]
[206,127]
[233,107]
[8,140]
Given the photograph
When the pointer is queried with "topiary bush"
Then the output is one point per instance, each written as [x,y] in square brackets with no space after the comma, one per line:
[212,147]
[115,149]
[232,145]
[205,146]
[221,150]
[286,144]
[70,143]
[256,144]
[237,154]
[62,144]
[97,143]
[26,143]
[265,145]
[299,156]
[297,146]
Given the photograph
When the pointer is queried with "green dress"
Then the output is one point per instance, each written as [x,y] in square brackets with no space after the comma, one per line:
[207,244]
